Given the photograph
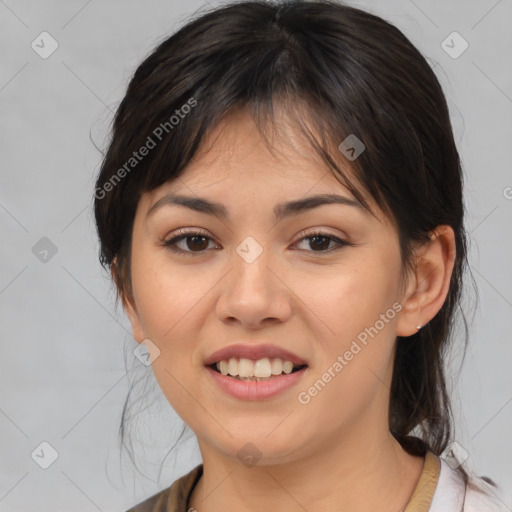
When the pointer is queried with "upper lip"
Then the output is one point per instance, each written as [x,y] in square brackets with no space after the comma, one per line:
[253,352]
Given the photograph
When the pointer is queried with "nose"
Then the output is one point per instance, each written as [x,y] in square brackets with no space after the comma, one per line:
[255,293]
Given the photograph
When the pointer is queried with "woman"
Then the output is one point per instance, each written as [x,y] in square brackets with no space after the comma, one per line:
[281,209]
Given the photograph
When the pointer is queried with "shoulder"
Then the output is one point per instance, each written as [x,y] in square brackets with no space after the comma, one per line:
[483,497]
[173,498]
[452,494]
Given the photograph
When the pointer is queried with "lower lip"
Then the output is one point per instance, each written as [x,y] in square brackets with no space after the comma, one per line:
[255,390]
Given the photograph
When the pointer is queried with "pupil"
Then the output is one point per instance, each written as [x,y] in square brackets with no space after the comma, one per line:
[324,245]
[195,237]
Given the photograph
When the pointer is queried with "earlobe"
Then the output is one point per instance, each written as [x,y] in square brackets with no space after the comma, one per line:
[429,285]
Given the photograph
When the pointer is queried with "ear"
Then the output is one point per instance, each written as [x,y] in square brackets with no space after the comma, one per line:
[129,306]
[428,285]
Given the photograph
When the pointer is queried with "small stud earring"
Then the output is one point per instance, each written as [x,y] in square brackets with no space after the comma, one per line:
[418,327]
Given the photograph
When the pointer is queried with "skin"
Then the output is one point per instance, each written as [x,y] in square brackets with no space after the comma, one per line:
[335,452]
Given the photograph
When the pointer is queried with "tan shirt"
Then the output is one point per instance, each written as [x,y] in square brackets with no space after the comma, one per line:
[175,498]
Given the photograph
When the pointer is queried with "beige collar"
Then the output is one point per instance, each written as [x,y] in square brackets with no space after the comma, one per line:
[424,491]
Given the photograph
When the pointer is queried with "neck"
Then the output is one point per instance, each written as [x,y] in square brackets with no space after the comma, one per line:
[339,476]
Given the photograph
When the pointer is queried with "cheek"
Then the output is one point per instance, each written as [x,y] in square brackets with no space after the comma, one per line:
[167,296]
[350,299]
[172,304]
[358,312]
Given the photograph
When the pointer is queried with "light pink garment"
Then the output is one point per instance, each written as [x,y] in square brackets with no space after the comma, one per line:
[450,495]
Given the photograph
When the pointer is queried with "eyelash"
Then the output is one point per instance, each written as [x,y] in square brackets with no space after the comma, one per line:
[184,234]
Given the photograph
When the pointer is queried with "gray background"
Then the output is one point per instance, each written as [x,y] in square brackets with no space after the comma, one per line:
[62,367]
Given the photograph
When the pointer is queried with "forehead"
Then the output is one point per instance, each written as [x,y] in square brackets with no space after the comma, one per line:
[235,155]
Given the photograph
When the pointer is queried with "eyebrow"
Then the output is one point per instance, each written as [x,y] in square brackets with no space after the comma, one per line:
[281,210]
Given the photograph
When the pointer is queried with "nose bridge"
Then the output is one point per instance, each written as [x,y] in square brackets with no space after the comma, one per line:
[253,293]
[252,261]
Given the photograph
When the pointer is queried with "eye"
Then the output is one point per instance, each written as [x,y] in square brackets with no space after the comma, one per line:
[193,240]
[322,240]
[200,240]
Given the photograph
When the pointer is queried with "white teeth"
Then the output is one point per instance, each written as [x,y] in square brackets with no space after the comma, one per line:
[245,367]
[233,366]
[262,368]
[287,367]
[277,366]
[223,367]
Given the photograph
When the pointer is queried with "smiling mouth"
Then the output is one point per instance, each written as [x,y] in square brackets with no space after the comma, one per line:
[285,371]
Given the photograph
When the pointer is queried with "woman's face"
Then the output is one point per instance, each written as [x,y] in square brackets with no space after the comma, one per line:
[258,278]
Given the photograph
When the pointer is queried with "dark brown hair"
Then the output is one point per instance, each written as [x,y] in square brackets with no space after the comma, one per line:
[344,71]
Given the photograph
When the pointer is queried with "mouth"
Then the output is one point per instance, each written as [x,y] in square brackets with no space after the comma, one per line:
[264,369]
[254,371]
